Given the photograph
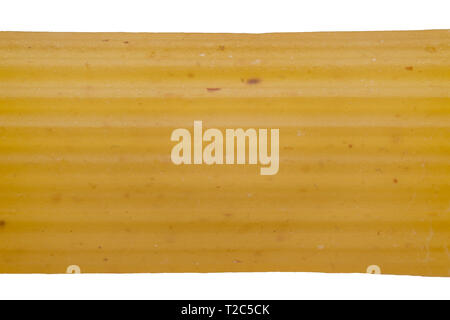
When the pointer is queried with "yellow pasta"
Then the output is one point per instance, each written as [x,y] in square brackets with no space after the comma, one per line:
[122,152]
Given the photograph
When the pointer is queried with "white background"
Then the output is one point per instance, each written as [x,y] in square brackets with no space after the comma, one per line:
[223,16]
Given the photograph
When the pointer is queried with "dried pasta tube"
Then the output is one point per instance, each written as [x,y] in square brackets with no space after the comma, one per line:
[318,152]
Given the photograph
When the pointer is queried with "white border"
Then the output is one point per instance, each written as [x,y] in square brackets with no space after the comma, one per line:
[226,286]
[248,16]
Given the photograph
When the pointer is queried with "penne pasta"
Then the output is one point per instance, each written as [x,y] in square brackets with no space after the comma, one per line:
[311,152]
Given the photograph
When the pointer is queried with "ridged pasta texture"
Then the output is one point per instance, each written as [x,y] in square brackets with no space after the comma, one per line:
[89,176]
